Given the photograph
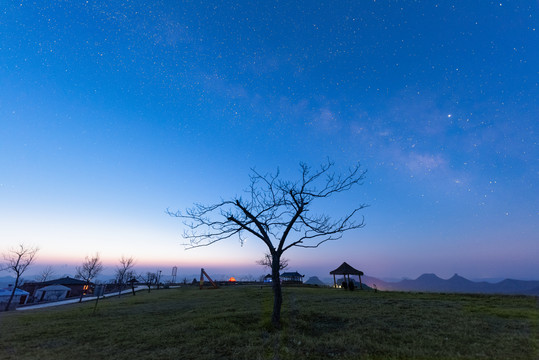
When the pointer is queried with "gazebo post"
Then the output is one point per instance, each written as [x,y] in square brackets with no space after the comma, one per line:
[360,283]
[334,282]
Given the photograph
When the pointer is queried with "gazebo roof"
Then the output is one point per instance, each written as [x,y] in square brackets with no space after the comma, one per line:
[346,269]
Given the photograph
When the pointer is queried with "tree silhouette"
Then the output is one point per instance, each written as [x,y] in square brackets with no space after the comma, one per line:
[267,262]
[123,272]
[17,260]
[149,279]
[277,212]
[91,267]
[45,274]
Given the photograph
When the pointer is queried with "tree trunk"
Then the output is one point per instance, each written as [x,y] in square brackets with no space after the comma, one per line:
[82,292]
[12,293]
[277,292]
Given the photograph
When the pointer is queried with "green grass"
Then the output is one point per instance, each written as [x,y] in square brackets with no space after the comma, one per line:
[233,323]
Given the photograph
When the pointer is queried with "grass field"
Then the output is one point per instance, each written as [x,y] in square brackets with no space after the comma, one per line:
[233,323]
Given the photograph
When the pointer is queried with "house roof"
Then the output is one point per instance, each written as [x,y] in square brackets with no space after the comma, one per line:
[55,288]
[346,269]
[18,292]
[291,274]
[65,281]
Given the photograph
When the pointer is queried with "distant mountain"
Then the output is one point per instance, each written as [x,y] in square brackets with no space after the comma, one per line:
[314,280]
[5,281]
[456,284]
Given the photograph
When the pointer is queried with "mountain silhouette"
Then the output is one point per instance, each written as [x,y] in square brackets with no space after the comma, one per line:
[456,284]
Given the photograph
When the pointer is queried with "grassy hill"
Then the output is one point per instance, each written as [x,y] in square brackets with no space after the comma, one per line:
[319,323]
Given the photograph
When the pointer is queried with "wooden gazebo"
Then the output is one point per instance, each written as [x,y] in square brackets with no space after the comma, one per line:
[346,270]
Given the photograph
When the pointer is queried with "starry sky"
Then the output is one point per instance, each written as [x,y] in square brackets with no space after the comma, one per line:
[113,111]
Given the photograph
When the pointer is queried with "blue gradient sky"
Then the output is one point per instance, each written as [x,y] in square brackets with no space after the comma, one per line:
[112,112]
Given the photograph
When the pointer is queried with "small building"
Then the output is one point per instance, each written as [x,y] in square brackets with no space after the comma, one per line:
[19,298]
[76,286]
[52,293]
[346,270]
[292,278]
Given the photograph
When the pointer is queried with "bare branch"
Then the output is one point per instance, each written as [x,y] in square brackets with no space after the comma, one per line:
[268,262]
[276,211]
[90,269]
[17,261]
[123,271]
[45,274]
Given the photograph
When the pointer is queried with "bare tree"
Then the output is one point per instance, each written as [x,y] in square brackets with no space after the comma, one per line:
[17,260]
[277,212]
[267,262]
[91,267]
[45,274]
[149,279]
[123,272]
[131,278]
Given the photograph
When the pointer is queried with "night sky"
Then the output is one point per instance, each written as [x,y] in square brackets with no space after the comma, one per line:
[112,112]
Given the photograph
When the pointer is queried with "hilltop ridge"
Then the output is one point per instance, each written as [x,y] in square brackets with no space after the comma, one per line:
[457,284]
